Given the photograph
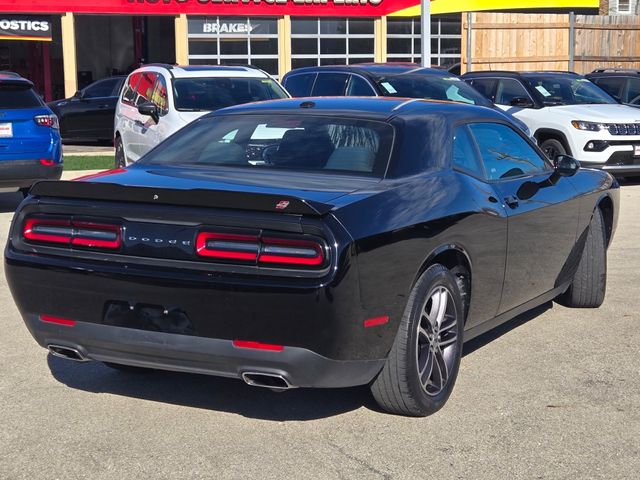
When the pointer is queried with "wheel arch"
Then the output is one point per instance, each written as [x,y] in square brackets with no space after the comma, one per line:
[606,206]
[543,134]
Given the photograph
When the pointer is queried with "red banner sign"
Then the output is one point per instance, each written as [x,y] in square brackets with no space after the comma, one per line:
[333,8]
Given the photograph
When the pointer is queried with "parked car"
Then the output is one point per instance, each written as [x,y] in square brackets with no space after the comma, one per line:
[327,242]
[621,84]
[30,147]
[568,114]
[400,80]
[88,115]
[158,100]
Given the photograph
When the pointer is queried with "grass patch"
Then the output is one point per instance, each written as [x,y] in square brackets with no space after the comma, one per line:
[97,162]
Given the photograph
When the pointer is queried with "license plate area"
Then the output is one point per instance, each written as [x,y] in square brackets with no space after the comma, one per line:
[6,130]
[143,316]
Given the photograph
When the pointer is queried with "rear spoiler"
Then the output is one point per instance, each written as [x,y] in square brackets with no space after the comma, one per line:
[263,202]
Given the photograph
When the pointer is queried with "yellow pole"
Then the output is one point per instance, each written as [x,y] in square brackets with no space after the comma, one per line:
[380,32]
[69,54]
[284,45]
[182,40]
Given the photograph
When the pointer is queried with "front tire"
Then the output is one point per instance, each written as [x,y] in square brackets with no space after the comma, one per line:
[552,148]
[121,159]
[423,364]
[589,283]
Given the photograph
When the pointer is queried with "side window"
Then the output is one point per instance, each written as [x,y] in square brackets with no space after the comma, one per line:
[117,87]
[508,89]
[359,87]
[504,153]
[129,94]
[633,92]
[485,86]
[159,96]
[145,87]
[300,85]
[330,85]
[100,89]
[465,157]
[614,86]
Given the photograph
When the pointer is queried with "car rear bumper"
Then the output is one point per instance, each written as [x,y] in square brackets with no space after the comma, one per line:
[298,366]
[24,173]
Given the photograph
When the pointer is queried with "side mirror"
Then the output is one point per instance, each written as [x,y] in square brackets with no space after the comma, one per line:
[149,109]
[521,102]
[566,166]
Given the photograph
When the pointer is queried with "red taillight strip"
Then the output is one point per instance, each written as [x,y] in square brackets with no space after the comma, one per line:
[47,163]
[235,244]
[292,252]
[257,345]
[373,322]
[77,233]
[57,320]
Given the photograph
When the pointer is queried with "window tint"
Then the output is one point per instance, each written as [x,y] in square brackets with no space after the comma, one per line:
[159,97]
[300,85]
[614,86]
[103,88]
[18,96]
[504,153]
[486,87]
[145,87]
[330,85]
[508,89]
[292,142]
[633,92]
[213,93]
[464,153]
[359,87]
[129,94]
[567,90]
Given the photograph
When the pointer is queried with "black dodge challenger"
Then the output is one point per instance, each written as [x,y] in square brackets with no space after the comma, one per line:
[313,243]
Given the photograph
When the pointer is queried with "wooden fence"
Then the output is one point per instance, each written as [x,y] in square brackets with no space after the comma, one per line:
[508,41]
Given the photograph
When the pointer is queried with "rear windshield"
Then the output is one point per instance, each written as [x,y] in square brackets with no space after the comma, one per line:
[292,142]
[431,87]
[567,90]
[18,96]
[208,94]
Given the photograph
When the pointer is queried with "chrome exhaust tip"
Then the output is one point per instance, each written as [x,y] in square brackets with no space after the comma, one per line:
[68,353]
[272,381]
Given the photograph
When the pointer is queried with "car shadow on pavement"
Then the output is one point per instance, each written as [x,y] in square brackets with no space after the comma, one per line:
[233,396]
[10,201]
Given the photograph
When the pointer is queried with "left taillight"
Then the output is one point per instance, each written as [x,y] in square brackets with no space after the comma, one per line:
[69,232]
[266,251]
[50,121]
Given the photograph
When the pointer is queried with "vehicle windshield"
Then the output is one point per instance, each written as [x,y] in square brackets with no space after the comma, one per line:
[213,93]
[14,96]
[431,87]
[567,90]
[292,142]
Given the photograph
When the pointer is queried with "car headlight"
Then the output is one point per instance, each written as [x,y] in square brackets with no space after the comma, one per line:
[590,126]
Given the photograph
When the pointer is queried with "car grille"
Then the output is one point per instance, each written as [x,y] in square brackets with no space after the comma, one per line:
[623,159]
[624,128]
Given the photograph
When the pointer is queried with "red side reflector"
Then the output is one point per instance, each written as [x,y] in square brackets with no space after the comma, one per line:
[47,163]
[57,320]
[257,346]
[373,322]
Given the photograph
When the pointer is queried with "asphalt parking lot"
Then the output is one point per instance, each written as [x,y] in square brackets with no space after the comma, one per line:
[553,394]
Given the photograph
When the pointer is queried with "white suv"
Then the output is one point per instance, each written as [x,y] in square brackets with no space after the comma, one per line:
[157,100]
[566,113]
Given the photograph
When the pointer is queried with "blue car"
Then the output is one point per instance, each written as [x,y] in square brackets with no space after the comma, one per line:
[30,146]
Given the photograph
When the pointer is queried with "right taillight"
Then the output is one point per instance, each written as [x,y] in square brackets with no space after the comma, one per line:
[69,232]
[266,251]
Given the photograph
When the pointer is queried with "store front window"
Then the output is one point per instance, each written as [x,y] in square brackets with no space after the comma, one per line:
[403,39]
[331,41]
[234,41]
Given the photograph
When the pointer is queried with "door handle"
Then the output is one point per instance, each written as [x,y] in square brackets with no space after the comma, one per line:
[511,201]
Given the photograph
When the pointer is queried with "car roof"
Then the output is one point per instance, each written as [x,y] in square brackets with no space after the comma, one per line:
[199,71]
[511,74]
[373,108]
[375,70]
[614,72]
[13,78]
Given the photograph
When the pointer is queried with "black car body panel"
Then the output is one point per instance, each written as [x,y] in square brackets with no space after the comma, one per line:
[154,302]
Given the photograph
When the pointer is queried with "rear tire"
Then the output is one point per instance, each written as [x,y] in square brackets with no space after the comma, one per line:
[589,284]
[422,367]
[121,159]
[552,148]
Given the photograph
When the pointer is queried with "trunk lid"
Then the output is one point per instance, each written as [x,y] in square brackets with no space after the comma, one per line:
[20,134]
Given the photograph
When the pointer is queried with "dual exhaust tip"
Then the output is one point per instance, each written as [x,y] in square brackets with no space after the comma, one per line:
[272,381]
